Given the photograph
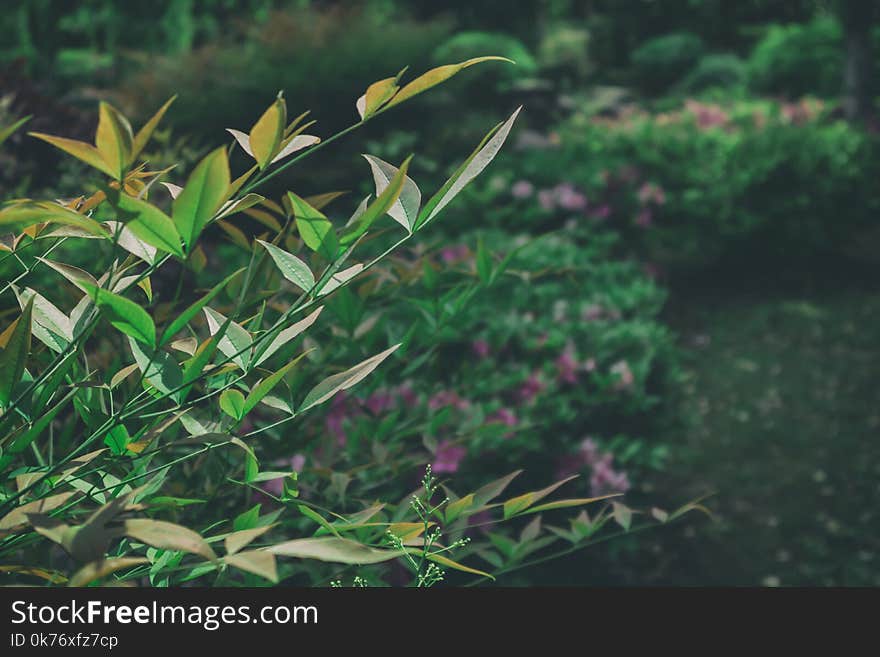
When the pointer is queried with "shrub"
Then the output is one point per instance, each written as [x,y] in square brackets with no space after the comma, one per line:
[144,416]
[799,59]
[725,71]
[662,61]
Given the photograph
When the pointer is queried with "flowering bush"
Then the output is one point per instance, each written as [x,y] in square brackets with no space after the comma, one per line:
[693,185]
[152,398]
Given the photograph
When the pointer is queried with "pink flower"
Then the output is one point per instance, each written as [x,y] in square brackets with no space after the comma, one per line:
[592,312]
[522,189]
[625,378]
[408,395]
[379,402]
[503,416]
[547,200]
[566,366]
[336,418]
[276,486]
[446,398]
[589,365]
[447,457]
[481,348]
[605,479]
[454,254]
[644,218]
[589,451]
[601,212]
[531,387]
[570,198]
[651,193]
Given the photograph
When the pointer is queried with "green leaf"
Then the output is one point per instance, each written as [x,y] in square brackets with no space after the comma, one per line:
[564,504]
[24,439]
[114,139]
[204,193]
[80,150]
[622,515]
[258,562]
[236,341]
[144,134]
[314,228]
[265,386]
[160,369]
[18,216]
[493,489]
[265,136]
[232,403]
[449,563]
[8,131]
[520,503]
[187,315]
[97,570]
[151,225]
[334,550]
[405,210]
[15,353]
[383,203]
[124,315]
[344,380]
[377,94]
[117,439]
[50,326]
[470,169]
[167,536]
[73,274]
[283,336]
[484,262]
[437,75]
[244,537]
[455,509]
[291,267]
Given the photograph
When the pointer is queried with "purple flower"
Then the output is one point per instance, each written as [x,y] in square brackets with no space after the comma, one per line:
[408,395]
[531,387]
[592,312]
[503,416]
[522,189]
[447,457]
[605,479]
[481,348]
[566,366]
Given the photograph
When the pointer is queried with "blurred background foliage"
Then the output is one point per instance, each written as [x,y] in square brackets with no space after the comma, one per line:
[697,184]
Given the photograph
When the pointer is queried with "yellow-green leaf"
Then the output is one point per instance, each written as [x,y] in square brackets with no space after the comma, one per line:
[314,228]
[437,75]
[18,216]
[242,538]
[151,225]
[334,550]
[232,403]
[79,149]
[265,136]
[258,562]
[144,134]
[113,139]
[167,536]
[100,569]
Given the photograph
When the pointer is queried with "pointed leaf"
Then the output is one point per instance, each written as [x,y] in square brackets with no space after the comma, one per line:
[114,139]
[167,536]
[124,315]
[334,550]
[186,316]
[100,569]
[344,380]
[383,203]
[520,503]
[144,134]
[286,335]
[258,562]
[470,169]
[204,193]
[291,267]
[15,353]
[236,341]
[265,386]
[242,538]
[18,216]
[314,228]
[151,225]
[265,136]
[437,75]
[80,150]
[405,209]
[73,274]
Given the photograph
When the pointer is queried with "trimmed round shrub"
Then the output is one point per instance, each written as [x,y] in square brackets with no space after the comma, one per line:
[661,62]
[795,60]
[715,71]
